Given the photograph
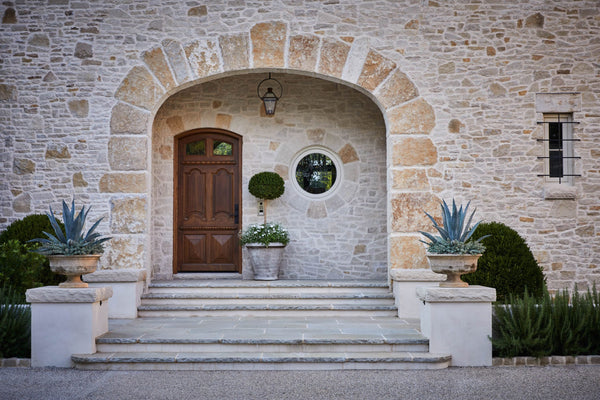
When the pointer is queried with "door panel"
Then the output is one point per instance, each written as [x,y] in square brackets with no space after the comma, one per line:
[207,198]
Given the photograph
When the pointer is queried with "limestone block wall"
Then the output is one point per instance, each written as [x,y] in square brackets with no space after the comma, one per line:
[456,83]
[344,236]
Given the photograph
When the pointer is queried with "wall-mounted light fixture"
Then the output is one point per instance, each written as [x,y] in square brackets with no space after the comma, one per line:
[269,97]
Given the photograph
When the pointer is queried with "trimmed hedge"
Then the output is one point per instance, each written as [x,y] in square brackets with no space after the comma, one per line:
[507,264]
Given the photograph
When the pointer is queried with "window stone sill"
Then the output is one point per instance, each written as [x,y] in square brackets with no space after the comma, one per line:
[555,191]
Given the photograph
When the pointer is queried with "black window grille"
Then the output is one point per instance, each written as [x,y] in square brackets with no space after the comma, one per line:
[557,156]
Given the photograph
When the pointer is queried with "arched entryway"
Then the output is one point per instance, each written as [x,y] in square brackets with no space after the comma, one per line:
[338,234]
[175,66]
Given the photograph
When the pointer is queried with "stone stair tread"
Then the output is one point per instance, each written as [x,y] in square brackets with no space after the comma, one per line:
[340,339]
[260,357]
[225,283]
[256,307]
[269,296]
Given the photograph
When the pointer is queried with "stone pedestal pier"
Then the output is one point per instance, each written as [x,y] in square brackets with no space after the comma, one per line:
[66,321]
[458,321]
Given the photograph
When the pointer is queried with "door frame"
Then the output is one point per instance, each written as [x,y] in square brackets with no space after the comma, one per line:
[176,159]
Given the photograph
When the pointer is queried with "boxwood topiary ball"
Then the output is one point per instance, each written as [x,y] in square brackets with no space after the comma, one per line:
[266,185]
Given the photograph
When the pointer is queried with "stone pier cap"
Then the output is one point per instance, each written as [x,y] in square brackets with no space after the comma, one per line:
[54,294]
[117,275]
[470,294]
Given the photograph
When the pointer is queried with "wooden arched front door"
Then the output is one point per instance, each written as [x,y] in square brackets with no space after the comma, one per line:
[207,201]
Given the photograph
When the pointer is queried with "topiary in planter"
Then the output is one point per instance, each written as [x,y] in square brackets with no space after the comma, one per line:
[266,186]
[507,264]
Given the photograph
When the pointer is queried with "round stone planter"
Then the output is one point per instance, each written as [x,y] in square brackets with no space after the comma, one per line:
[453,266]
[73,267]
[265,261]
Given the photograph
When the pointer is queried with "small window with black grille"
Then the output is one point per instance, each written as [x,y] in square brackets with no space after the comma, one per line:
[559,152]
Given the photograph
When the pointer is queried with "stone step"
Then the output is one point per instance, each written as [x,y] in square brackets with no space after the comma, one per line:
[266,343]
[267,301]
[266,310]
[283,288]
[259,361]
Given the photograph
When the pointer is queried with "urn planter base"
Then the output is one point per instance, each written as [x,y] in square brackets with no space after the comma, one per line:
[73,267]
[453,266]
[266,261]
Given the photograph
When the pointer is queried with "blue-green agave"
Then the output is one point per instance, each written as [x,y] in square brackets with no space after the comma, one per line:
[454,234]
[73,241]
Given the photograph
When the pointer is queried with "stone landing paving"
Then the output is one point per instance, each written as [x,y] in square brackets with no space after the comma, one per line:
[302,338]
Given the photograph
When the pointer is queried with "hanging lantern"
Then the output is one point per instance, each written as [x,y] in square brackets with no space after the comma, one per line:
[269,98]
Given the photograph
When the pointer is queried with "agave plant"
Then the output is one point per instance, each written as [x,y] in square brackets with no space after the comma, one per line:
[72,241]
[454,234]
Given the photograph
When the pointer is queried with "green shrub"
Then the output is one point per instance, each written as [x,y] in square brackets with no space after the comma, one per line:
[28,228]
[23,269]
[564,325]
[266,185]
[507,264]
[15,325]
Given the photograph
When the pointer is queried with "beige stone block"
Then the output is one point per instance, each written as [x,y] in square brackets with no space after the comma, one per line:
[127,153]
[333,57]
[126,119]
[558,102]
[407,252]
[139,89]
[454,126]
[315,135]
[125,251]
[203,57]
[416,117]
[156,61]
[79,108]
[410,179]
[128,215]
[123,183]
[375,70]
[177,60]
[78,180]
[396,90]
[414,151]
[8,92]
[223,121]
[268,44]
[55,150]
[348,154]
[23,166]
[408,211]
[303,52]
[22,203]
[175,124]
[234,49]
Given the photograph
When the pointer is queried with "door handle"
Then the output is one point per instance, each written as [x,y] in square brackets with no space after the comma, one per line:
[236,214]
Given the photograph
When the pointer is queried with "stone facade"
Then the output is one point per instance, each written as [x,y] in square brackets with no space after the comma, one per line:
[455,83]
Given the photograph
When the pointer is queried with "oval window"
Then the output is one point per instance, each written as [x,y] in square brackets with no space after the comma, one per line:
[316,172]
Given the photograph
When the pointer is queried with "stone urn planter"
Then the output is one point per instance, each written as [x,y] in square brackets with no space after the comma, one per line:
[265,261]
[453,266]
[73,267]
